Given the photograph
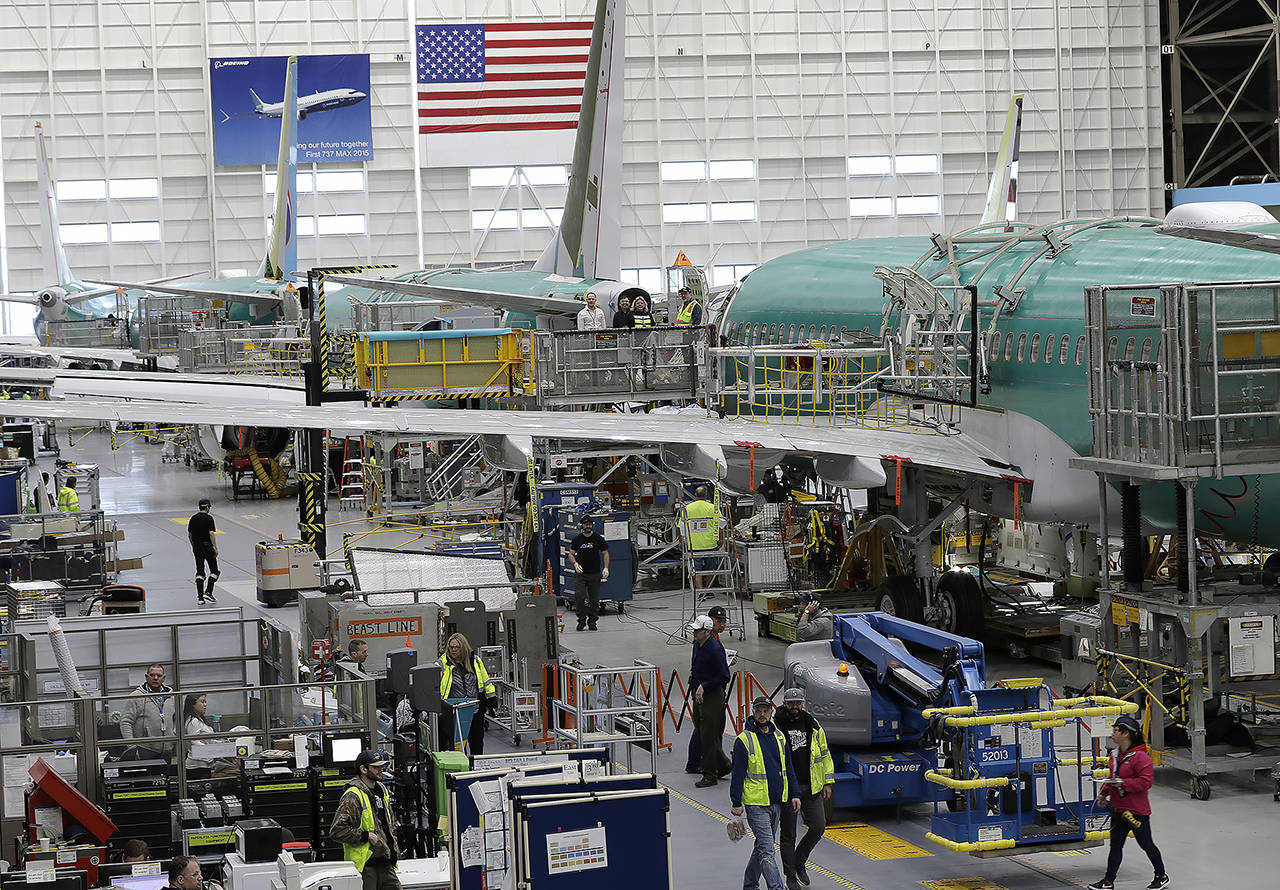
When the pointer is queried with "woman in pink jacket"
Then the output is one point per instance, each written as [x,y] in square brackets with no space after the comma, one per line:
[1125,794]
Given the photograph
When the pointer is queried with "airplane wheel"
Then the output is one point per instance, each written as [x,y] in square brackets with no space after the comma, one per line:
[899,595]
[959,601]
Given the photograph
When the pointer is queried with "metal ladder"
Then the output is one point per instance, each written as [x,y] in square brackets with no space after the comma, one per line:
[724,569]
[351,494]
[449,478]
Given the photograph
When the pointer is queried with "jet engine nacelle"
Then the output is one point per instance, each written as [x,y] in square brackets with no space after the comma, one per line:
[53,304]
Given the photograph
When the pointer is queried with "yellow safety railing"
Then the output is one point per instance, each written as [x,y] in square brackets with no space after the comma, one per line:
[444,364]
[1063,710]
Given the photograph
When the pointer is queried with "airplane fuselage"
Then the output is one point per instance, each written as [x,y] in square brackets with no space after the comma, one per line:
[1042,393]
[317,102]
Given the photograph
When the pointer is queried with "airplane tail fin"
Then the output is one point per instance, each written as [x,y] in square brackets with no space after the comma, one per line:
[589,241]
[1002,193]
[281,262]
[56,268]
[257,101]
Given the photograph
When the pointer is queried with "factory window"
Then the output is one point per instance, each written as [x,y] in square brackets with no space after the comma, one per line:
[919,205]
[1130,345]
[1022,346]
[491,177]
[873,165]
[120,189]
[548,174]
[1035,349]
[684,171]
[304,184]
[731,211]
[1080,350]
[306,226]
[83,233]
[733,169]
[82,190]
[684,213]
[908,164]
[541,218]
[1065,350]
[341,224]
[1146,349]
[495,219]
[871,206]
[340,181]
[1008,346]
[1111,348]
[1048,349]
[135,231]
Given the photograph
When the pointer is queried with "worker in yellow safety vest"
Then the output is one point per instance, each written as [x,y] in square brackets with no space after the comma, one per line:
[701,532]
[690,313]
[363,825]
[815,781]
[763,783]
[68,500]
[463,676]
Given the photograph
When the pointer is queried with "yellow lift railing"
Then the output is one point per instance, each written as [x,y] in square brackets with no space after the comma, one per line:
[404,365]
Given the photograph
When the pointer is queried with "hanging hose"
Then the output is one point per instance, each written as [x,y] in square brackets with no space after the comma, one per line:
[62,654]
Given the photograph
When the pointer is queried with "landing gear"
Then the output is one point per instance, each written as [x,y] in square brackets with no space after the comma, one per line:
[959,603]
[900,595]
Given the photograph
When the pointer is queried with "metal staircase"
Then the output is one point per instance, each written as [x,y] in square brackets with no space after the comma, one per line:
[456,472]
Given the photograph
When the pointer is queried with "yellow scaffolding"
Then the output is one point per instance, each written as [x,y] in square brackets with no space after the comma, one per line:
[444,364]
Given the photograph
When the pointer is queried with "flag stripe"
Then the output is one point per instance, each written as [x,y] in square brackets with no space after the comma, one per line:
[499,109]
[545,75]
[535,60]
[534,43]
[500,94]
[540,26]
[496,127]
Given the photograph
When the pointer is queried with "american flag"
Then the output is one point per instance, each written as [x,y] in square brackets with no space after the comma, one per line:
[506,76]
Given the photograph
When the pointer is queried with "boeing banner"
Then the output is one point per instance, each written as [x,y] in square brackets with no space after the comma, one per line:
[334,121]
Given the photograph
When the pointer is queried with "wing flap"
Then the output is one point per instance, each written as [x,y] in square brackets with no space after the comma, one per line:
[465,296]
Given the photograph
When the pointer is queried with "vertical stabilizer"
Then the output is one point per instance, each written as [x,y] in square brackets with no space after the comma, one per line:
[282,247]
[1002,193]
[56,268]
[589,242]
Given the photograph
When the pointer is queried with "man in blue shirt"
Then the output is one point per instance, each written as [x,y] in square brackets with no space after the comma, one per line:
[708,682]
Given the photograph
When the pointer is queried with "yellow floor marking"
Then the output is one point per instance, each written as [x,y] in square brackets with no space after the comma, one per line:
[724,820]
[1071,852]
[873,843]
[962,884]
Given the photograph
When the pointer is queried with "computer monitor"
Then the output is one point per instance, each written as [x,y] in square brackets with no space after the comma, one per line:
[64,879]
[143,882]
[112,870]
[342,750]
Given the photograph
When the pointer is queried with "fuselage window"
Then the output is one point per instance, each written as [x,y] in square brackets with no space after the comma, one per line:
[791,334]
[1080,350]
[753,333]
[812,332]
[1008,346]
[1035,349]
[822,332]
[1111,347]
[1065,350]
[1048,350]
[994,352]
[771,332]
[1130,345]
[1146,349]
[1022,346]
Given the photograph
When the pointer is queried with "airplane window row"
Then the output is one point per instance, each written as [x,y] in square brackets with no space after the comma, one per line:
[753,334]
[1062,346]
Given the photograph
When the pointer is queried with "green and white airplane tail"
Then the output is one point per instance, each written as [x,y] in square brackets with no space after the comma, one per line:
[281,261]
[1002,193]
[589,241]
[54,257]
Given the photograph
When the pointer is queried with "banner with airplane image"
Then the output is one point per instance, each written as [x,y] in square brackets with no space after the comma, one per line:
[334,120]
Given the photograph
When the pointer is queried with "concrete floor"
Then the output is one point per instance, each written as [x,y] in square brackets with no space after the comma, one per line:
[1230,840]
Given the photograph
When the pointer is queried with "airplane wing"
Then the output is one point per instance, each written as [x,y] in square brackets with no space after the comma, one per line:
[28,349]
[252,297]
[1231,237]
[865,457]
[158,388]
[463,295]
[25,299]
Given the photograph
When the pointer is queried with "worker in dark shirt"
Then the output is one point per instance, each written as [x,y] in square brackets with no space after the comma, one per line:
[200,531]
[708,681]
[623,317]
[589,553]
[772,489]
